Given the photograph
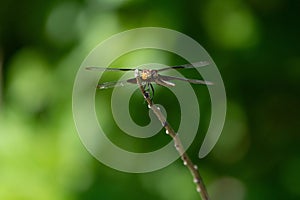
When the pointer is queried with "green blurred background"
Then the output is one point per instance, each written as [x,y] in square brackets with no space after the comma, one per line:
[255,45]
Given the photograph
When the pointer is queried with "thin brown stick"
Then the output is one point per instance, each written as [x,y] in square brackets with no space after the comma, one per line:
[178,145]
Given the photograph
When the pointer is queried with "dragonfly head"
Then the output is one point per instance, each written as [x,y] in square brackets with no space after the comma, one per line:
[148,75]
[145,74]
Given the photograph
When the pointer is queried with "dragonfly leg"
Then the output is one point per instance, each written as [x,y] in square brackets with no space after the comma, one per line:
[152,89]
[149,91]
[146,94]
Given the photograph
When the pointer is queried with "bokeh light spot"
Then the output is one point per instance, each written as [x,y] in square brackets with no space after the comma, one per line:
[231,26]
[60,27]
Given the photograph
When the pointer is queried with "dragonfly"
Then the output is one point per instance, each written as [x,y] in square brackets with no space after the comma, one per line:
[150,76]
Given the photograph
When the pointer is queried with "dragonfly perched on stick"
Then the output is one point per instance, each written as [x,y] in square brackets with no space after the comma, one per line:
[149,76]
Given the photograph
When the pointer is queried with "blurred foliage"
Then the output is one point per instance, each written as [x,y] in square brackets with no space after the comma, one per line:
[254,43]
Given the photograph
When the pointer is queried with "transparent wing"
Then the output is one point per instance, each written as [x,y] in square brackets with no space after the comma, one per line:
[108,69]
[186,66]
[116,84]
[195,81]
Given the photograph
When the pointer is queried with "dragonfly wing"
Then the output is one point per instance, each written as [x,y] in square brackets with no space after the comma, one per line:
[195,81]
[116,84]
[132,80]
[186,66]
[161,81]
[108,69]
